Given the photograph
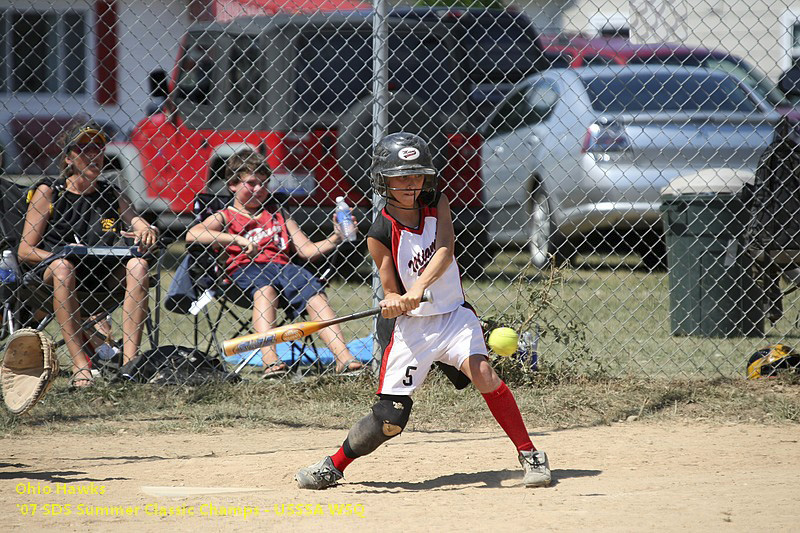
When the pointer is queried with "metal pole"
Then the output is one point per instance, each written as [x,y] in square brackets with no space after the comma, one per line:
[380,99]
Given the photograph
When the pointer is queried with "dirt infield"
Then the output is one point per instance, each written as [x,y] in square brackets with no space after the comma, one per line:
[630,476]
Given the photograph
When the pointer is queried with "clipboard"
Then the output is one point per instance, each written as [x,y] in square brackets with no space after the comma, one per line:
[115,253]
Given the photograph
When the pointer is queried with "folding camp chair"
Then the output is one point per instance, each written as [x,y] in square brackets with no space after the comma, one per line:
[201,280]
[12,203]
[26,293]
[772,235]
[769,267]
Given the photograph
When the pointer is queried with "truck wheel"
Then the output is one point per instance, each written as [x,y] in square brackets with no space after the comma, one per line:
[544,242]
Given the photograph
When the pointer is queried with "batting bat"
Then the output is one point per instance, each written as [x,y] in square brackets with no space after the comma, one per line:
[292,332]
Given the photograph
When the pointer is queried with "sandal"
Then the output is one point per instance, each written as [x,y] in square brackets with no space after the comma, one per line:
[80,377]
[347,367]
[275,369]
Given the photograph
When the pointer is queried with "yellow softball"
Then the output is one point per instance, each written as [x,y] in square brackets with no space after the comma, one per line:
[503,341]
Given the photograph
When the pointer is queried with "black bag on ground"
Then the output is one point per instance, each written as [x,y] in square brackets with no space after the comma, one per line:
[175,365]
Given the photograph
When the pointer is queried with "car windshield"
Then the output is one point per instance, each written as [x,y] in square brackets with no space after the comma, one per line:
[757,81]
[335,69]
[653,91]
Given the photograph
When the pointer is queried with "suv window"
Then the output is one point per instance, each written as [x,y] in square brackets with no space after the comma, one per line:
[245,81]
[196,76]
[335,69]
[502,46]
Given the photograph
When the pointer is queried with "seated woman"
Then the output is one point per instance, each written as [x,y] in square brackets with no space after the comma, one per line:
[79,208]
[258,239]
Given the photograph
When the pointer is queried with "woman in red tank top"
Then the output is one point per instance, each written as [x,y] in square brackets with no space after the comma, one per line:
[259,241]
[267,230]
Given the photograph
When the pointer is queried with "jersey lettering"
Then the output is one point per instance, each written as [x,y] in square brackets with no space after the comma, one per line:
[412,250]
[261,236]
[421,259]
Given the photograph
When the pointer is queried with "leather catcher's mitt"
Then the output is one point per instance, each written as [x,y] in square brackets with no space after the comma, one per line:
[28,370]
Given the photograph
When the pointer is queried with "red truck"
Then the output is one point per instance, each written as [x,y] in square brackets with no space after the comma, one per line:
[297,88]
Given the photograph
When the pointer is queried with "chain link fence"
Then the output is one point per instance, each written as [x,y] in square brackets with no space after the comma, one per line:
[621,175]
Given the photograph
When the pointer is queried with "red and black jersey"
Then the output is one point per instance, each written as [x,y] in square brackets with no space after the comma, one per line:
[267,230]
[412,250]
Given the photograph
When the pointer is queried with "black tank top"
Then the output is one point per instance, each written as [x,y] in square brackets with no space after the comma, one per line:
[92,219]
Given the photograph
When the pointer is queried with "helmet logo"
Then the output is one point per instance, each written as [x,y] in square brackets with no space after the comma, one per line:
[408,154]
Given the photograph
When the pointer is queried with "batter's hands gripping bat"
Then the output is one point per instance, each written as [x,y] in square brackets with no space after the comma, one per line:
[291,332]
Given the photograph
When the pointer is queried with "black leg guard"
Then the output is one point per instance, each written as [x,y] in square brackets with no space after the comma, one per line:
[456,376]
[388,419]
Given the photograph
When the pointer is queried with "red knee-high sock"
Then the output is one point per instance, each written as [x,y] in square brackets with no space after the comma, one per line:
[340,460]
[504,407]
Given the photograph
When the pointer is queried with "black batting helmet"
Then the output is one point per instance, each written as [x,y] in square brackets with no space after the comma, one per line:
[771,360]
[401,154]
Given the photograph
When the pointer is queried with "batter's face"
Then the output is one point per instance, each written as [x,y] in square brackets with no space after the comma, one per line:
[251,191]
[405,190]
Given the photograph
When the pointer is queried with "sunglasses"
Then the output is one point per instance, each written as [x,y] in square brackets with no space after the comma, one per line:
[87,148]
[89,136]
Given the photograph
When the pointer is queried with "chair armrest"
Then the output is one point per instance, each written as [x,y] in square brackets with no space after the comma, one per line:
[787,257]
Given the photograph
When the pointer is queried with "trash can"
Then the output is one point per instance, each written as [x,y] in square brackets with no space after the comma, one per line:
[712,292]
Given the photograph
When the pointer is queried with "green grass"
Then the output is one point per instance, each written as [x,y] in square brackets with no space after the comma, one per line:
[606,354]
[623,313]
[604,315]
[330,402]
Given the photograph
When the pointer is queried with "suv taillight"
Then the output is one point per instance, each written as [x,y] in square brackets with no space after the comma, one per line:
[462,175]
[605,137]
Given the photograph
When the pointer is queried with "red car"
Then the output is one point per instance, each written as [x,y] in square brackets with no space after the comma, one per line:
[577,50]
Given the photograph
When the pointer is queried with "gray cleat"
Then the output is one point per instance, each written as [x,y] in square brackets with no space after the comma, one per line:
[536,467]
[318,476]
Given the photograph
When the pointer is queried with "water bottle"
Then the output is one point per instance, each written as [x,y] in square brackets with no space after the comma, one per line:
[8,267]
[345,219]
[106,352]
[528,351]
